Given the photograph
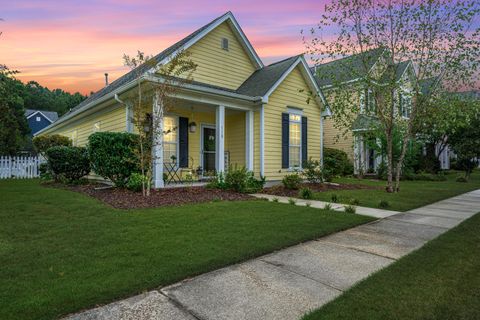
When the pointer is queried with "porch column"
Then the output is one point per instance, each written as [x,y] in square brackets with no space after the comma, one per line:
[249,140]
[157,149]
[220,139]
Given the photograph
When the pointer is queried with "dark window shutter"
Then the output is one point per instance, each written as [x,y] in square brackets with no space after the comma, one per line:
[183,142]
[285,139]
[304,140]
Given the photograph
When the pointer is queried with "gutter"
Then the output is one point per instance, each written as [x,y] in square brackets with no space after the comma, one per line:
[91,105]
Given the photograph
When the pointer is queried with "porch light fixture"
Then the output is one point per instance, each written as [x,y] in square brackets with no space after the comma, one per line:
[192,126]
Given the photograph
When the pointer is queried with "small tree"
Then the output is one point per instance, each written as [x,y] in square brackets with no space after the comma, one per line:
[437,36]
[153,96]
[465,143]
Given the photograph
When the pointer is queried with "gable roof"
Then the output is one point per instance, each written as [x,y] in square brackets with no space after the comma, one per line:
[400,69]
[165,55]
[346,69]
[49,115]
[260,82]
[427,85]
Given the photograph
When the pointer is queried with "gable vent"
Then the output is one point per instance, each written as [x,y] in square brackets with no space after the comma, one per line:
[225,44]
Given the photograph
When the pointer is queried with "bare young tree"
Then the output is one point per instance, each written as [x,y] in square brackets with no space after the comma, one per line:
[156,86]
[438,37]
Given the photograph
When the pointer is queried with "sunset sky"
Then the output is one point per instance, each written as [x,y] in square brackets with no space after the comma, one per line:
[71,44]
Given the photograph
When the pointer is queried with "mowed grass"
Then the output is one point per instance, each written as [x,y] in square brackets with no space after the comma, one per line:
[61,252]
[413,194]
[439,281]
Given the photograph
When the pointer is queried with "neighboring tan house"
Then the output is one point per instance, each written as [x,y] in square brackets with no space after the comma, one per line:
[245,113]
[39,119]
[349,73]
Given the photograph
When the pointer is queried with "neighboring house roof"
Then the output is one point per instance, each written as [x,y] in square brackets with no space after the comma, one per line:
[49,115]
[427,85]
[400,69]
[346,69]
[364,122]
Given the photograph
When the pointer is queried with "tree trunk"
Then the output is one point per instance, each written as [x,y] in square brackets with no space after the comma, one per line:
[388,134]
[400,162]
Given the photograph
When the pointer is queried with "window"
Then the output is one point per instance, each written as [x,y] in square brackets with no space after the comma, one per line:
[225,44]
[170,140]
[295,141]
[405,105]
[38,119]
[367,101]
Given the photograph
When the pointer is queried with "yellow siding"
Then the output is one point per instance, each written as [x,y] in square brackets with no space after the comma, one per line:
[335,138]
[217,66]
[108,120]
[235,139]
[288,95]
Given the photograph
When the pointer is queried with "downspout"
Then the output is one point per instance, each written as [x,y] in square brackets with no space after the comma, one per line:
[321,140]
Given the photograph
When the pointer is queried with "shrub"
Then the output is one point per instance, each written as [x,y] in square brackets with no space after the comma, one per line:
[43,143]
[275,199]
[306,193]
[337,162]
[239,180]
[350,209]
[334,198]
[70,163]
[328,206]
[462,179]
[113,155]
[292,181]
[313,171]
[291,201]
[383,204]
[135,182]
[354,202]
[45,173]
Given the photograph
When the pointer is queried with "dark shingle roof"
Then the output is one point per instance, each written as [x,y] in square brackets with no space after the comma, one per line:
[399,71]
[51,115]
[346,69]
[427,85]
[130,76]
[263,79]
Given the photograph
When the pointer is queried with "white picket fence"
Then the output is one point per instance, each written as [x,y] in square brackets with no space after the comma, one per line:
[22,167]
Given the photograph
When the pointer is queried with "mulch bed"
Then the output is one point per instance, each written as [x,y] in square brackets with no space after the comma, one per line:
[322,187]
[126,199]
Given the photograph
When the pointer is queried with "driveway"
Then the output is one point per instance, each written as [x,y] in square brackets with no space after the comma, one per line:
[288,283]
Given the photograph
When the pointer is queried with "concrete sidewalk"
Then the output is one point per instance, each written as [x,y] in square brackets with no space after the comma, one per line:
[289,283]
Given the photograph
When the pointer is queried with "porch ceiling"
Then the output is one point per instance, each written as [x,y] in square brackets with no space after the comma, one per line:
[187,105]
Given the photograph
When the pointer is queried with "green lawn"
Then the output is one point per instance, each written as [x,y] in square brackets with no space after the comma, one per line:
[439,281]
[61,251]
[413,194]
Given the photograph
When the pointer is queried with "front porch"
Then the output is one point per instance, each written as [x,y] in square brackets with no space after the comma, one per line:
[201,139]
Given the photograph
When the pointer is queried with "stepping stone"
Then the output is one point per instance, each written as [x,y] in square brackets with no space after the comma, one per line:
[328,263]
[251,290]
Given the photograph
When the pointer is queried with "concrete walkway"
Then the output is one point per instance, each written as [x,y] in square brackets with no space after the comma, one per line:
[289,283]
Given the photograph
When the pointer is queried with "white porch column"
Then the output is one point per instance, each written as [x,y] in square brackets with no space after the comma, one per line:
[262,141]
[220,139]
[249,140]
[157,130]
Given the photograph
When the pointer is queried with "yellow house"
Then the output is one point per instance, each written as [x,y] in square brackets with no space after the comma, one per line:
[236,111]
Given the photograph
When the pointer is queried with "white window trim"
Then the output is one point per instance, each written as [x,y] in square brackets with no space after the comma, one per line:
[177,142]
[38,119]
[299,168]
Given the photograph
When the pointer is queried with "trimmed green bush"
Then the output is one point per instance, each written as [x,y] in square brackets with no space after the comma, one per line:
[239,180]
[113,155]
[43,143]
[135,182]
[70,163]
[306,193]
[313,171]
[350,209]
[337,162]
[292,181]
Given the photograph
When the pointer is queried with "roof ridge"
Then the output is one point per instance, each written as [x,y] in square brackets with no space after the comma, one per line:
[283,60]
